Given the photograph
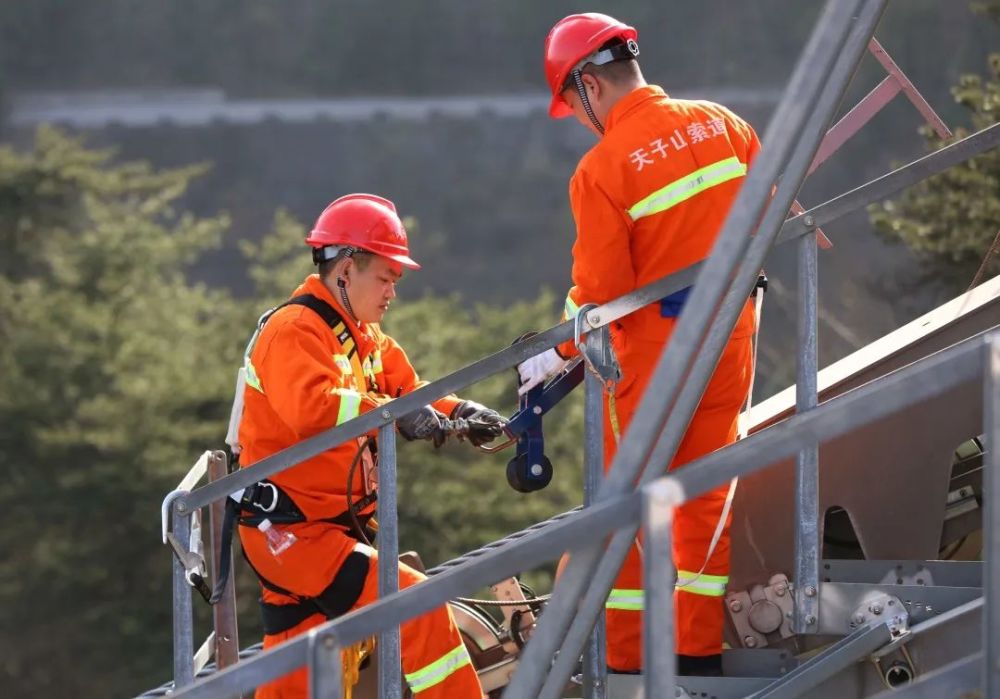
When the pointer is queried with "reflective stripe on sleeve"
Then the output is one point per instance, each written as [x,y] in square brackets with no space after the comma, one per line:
[253,381]
[570,309]
[350,404]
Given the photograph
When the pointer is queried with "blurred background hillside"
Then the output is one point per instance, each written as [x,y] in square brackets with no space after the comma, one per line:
[194,142]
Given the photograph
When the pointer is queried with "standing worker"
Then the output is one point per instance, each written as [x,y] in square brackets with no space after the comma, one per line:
[317,361]
[649,199]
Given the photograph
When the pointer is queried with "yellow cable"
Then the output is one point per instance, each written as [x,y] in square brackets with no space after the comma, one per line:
[352,657]
[613,416]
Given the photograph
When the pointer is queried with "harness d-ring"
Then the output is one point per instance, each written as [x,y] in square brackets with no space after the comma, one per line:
[274,497]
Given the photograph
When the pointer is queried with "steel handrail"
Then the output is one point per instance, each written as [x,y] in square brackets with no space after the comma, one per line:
[605,314]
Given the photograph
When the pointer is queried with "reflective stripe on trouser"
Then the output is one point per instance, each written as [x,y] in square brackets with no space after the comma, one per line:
[426,640]
[699,616]
[438,671]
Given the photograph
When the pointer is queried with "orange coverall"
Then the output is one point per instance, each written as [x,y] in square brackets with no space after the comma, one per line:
[649,199]
[301,380]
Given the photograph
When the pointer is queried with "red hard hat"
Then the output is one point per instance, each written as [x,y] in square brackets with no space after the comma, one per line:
[571,40]
[363,221]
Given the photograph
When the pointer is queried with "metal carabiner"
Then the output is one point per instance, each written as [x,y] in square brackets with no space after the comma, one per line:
[487,449]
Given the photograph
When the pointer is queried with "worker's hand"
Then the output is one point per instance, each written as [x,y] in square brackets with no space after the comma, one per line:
[535,370]
[483,424]
[425,423]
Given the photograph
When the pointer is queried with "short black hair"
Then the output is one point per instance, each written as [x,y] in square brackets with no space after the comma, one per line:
[362,258]
[617,72]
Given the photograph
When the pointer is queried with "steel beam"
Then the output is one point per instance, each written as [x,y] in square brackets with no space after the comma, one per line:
[807,547]
[659,659]
[595,665]
[822,667]
[991,520]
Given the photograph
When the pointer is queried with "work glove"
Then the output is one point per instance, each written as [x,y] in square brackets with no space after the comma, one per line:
[424,423]
[483,424]
[537,369]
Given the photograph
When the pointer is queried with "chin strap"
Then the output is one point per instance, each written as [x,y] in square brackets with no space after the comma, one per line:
[343,298]
[582,91]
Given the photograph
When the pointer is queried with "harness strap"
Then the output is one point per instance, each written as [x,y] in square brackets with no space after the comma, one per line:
[283,510]
[337,599]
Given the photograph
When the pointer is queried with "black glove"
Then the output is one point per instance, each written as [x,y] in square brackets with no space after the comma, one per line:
[484,424]
[425,423]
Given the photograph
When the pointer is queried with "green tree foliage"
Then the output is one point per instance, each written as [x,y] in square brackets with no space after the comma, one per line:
[116,372]
[952,220]
[107,393]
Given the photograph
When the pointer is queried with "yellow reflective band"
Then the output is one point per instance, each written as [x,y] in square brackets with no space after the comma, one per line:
[628,600]
[571,309]
[343,363]
[253,381]
[703,584]
[350,404]
[377,362]
[688,186]
[438,671]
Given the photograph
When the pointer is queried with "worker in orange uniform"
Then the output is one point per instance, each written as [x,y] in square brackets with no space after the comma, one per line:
[318,361]
[649,199]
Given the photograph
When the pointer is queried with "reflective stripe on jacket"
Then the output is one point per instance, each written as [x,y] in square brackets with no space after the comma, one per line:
[650,198]
[304,383]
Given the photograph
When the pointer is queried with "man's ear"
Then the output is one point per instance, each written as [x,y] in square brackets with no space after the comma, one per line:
[349,268]
[592,85]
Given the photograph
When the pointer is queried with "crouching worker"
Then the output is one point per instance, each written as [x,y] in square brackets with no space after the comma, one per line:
[317,361]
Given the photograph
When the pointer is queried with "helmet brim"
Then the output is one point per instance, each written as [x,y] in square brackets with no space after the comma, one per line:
[407,262]
[558,109]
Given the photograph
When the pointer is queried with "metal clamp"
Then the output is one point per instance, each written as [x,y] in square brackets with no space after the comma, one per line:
[195,569]
[762,615]
[604,365]
[884,608]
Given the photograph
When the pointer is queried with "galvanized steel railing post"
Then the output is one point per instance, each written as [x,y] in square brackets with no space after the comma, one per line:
[183,612]
[325,667]
[659,661]
[595,666]
[991,520]
[389,679]
[807,525]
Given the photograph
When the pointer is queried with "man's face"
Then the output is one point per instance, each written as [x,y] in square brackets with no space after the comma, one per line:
[372,289]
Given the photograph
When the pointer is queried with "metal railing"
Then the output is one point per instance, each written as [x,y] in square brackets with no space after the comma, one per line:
[922,381]
[794,229]
[721,285]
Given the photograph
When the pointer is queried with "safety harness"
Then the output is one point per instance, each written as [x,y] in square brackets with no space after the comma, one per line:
[266,500]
